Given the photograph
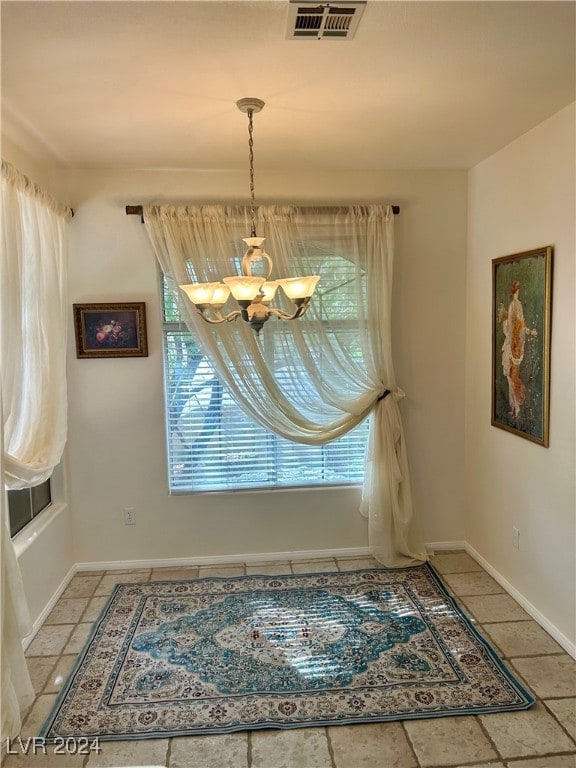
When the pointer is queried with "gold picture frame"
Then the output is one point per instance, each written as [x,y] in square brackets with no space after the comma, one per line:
[521,327]
[111,329]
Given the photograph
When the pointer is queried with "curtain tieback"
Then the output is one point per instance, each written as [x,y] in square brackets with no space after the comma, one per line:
[397,394]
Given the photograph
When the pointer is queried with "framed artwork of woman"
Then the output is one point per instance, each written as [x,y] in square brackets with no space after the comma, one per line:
[521,317]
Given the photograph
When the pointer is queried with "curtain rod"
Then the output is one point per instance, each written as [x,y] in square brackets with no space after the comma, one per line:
[138,210]
[11,174]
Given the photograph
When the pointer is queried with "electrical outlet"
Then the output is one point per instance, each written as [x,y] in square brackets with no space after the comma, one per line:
[129,516]
[515,538]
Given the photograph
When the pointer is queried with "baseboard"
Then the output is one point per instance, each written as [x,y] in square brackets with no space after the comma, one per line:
[253,557]
[552,630]
[443,546]
[48,607]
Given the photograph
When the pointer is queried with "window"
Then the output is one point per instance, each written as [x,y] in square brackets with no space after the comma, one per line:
[213,445]
[25,504]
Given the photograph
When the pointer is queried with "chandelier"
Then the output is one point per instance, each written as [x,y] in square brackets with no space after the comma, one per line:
[252,293]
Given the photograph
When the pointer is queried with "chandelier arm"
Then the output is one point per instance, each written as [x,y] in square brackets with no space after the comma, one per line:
[300,310]
[220,318]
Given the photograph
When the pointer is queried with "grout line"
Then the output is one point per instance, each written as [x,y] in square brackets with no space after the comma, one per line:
[409,742]
[168,753]
[490,740]
[43,690]
[534,655]
[550,712]
[330,748]
[472,764]
[511,761]
[249,750]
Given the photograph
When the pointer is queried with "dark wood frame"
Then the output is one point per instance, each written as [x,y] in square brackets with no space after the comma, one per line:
[125,338]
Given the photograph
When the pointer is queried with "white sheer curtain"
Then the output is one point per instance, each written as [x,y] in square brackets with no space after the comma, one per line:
[32,391]
[335,379]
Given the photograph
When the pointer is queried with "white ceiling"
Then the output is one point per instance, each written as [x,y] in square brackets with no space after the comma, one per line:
[154,84]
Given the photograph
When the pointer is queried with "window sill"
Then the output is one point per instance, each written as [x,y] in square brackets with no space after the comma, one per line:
[28,535]
[282,489]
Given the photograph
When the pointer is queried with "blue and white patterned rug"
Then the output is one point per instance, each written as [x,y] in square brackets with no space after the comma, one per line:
[217,655]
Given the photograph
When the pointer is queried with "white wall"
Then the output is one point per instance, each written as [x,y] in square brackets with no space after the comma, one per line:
[519,199]
[45,555]
[117,441]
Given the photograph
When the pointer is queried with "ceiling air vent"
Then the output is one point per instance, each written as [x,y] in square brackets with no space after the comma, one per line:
[310,20]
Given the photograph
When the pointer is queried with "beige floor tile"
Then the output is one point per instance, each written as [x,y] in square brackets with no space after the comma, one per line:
[94,608]
[554,761]
[529,733]
[38,714]
[50,641]
[110,580]
[565,712]
[357,563]
[40,668]
[151,753]
[521,638]
[297,748]
[371,746]
[67,610]
[549,676]
[41,760]
[459,562]
[474,583]
[173,574]
[314,566]
[221,571]
[268,562]
[449,741]
[59,674]
[81,586]
[489,609]
[222,751]
[273,569]
[78,639]
[483,765]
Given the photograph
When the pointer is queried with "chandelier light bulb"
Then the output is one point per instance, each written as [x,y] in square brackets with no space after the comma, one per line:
[220,296]
[299,287]
[268,291]
[244,288]
[200,293]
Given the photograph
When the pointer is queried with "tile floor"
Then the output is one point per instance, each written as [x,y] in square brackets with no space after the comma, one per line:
[541,737]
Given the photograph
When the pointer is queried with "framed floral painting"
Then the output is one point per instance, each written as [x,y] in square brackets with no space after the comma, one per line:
[111,330]
[521,318]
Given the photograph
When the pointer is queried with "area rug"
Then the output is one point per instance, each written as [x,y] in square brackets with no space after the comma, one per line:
[216,655]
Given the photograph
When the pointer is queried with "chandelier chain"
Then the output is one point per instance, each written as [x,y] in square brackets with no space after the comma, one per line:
[251,158]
